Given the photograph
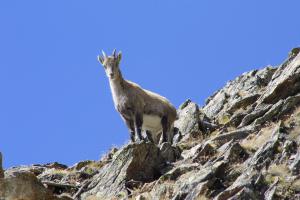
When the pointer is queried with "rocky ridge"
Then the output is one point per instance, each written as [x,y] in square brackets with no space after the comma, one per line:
[243,144]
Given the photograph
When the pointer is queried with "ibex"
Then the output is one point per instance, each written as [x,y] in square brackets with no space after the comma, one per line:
[141,110]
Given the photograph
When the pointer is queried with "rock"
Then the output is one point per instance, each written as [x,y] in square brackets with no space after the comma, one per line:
[245,193]
[295,165]
[188,119]
[258,112]
[173,174]
[137,162]
[169,153]
[289,148]
[278,109]
[289,104]
[206,126]
[243,102]
[82,164]
[285,82]
[55,165]
[235,153]
[198,191]
[270,193]
[236,119]
[177,136]
[189,153]
[216,104]
[60,188]
[243,144]
[267,150]
[294,52]
[35,169]
[239,93]
[234,135]
[141,197]
[25,186]
[243,182]
[204,154]
[269,114]
[109,155]
[198,180]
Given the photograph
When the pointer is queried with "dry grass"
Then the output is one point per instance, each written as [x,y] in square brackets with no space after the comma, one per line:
[294,121]
[255,141]
[59,171]
[296,185]
[96,165]
[286,187]
[224,119]
[281,171]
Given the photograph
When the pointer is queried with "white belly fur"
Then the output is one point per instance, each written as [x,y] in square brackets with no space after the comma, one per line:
[152,123]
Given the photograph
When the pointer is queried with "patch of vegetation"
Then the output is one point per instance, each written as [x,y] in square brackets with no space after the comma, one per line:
[254,141]
[224,119]
[61,172]
[286,188]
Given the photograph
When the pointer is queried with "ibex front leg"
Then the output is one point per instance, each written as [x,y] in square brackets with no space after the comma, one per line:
[130,125]
[138,126]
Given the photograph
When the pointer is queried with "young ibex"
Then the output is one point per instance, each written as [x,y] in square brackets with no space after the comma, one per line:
[139,108]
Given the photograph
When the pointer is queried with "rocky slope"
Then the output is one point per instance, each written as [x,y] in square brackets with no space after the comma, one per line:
[243,144]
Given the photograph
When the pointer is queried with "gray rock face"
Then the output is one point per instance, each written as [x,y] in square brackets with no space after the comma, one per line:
[266,152]
[134,163]
[188,119]
[295,165]
[239,93]
[169,153]
[244,182]
[285,82]
[243,144]
[25,186]
[234,135]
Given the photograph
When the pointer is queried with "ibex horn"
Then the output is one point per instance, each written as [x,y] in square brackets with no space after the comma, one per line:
[114,52]
[104,55]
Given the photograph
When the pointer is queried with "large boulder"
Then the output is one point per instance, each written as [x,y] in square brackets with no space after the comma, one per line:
[22,185]
[285,81]
[238,94]
[133,164]
[188,118]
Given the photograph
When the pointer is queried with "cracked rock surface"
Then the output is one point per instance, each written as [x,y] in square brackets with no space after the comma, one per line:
[244,143]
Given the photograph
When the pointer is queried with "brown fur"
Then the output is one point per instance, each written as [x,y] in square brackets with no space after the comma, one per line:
[133,102]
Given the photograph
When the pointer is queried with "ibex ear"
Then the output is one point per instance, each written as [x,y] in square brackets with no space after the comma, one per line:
[100,59]
[119,56]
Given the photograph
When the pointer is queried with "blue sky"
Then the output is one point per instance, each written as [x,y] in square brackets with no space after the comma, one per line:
[55,99]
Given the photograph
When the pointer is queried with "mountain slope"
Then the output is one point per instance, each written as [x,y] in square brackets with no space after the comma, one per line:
[243,144]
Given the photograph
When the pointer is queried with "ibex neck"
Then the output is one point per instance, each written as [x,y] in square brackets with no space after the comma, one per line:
[117,87]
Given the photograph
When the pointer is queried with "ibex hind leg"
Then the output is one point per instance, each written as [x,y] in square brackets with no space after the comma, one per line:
[138,126]
[164,124]
[167,131]
[149,136]
[170,134]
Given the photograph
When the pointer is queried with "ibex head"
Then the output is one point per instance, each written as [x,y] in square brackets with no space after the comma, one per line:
[111,63]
